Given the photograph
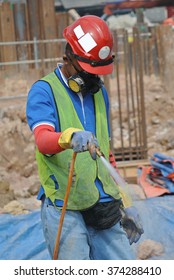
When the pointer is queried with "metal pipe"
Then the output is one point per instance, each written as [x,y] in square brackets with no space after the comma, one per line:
[31,61]
[31,42]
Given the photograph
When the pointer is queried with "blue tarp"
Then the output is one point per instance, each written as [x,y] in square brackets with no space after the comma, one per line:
[21,237]
[158,221]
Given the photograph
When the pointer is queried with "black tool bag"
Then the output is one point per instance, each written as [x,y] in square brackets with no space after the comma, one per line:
[103,215]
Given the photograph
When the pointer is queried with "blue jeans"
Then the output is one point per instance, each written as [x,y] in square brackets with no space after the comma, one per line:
[81,242]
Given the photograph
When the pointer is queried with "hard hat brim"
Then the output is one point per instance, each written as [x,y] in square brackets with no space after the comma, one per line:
[98,70]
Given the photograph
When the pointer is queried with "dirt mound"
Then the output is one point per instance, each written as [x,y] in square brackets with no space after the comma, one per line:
[159,103]
[18,170]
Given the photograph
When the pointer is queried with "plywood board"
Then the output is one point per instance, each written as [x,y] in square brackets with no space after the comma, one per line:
[62,21]
[34,27]
[128,169]
[49,27]
[7,33]
[21,32]
[33,7]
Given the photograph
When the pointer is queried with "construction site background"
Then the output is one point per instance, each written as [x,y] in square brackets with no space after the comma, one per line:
[140,89]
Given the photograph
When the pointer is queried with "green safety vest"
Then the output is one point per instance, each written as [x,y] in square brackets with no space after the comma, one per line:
[83,193]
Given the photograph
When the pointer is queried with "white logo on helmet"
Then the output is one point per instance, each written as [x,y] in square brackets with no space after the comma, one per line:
[104,52]
[85,40]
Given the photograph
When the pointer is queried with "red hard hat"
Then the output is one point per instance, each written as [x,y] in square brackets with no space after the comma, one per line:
[92,43]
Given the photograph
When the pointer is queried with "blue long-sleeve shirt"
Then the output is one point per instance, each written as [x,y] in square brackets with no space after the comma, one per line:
[41,109]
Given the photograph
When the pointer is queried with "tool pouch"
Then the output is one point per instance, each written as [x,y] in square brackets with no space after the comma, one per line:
[103,215]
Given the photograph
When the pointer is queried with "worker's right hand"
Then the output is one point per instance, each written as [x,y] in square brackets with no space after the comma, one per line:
[79,141]
[131,223]
[84,140]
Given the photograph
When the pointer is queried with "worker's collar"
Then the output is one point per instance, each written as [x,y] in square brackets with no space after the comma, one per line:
[59,66]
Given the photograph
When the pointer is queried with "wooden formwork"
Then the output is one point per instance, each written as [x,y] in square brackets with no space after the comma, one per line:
[33,20]
[129,169]
[38,20]
[49,27]
[21,34]
[7,28]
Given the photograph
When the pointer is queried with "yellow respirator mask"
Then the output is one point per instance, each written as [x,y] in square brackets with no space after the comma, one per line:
[85,83]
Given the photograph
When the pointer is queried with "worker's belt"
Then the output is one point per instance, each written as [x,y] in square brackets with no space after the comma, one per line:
[103,215]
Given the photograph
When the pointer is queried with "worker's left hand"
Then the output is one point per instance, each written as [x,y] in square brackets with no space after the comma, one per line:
[131,223]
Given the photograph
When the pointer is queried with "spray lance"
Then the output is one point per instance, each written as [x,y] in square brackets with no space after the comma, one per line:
[118,179]
[131,225]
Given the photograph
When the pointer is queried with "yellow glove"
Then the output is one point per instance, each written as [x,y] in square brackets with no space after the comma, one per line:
[65,138]
[79,141]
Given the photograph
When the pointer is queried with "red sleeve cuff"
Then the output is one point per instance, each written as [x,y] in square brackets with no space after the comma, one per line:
[46,139]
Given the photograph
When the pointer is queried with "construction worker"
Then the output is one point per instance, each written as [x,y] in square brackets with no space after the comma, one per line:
[68,111]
